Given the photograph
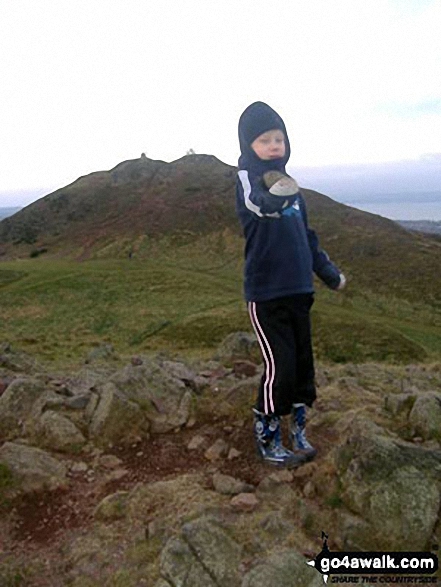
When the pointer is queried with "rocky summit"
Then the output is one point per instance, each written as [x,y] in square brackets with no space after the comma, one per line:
[143,472]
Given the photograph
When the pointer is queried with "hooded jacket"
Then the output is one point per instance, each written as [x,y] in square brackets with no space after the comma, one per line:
[281,251]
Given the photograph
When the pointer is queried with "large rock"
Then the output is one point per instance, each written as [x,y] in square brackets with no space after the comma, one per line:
[238,345]
[392,485]
[166,401]
[425,416]
[284,569]
[59,433]
[32,469]
[17,403]
[16,361]
[204,556]
[116,418]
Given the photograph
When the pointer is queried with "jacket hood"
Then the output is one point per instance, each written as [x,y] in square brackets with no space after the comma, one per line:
[256,119]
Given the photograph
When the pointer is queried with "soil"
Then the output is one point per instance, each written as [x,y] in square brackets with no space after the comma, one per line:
[42,522]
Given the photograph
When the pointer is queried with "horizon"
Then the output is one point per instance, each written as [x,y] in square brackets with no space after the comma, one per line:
[391,189]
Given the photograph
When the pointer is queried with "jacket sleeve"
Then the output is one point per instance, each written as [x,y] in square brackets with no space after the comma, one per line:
[257,199]
[321,263]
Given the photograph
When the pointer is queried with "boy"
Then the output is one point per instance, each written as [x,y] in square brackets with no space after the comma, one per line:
[281,253]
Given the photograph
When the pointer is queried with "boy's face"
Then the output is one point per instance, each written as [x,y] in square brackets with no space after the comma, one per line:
[269,145]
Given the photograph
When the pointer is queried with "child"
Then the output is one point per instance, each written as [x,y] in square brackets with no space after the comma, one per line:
[281,253]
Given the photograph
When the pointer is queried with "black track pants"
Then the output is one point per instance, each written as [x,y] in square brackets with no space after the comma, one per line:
[283,329]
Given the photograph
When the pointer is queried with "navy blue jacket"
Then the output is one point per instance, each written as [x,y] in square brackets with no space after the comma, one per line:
[281,251]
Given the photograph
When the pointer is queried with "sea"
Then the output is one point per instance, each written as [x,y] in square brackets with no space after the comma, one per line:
[398,206]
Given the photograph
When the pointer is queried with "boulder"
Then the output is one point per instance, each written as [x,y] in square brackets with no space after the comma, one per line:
[59,433]
[180,371]
[16,361]
[284,569]
[112,507]
[228,485]
[166,401]
[115,418]
[425,416]
[17,403]
[32,469]
[204,555]
[238,346]
[392,485]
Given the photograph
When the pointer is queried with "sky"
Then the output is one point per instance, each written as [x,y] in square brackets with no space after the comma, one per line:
[86,84]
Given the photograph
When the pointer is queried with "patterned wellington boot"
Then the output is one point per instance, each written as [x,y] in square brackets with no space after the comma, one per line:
[297,432]
[269,442]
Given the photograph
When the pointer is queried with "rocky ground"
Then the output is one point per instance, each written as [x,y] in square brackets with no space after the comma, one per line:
[143,472]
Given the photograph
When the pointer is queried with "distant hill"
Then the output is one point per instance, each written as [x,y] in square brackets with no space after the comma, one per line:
[6,212]
[142,201]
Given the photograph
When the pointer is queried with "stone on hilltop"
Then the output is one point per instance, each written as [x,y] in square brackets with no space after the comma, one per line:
[115,418]
[165,400]
[32,469]
[238,346]
[283,569]
[425,416]
[17,403]
[59,433]
[392,485]
[228,485]
[203,556]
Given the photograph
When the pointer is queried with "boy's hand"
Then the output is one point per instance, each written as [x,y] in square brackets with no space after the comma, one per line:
[342,283]
[280,184]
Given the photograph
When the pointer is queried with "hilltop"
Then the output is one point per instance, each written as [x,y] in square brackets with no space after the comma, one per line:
[142,202]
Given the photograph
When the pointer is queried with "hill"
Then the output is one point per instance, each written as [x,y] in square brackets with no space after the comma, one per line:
[143,202]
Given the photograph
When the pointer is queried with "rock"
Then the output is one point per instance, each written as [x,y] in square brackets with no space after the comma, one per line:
[309,489]
[109,461]
[203,556]
[277,526]
[228,485]
[166,401]
[392,485]
[196,442]
[112,507]
[116,475]
[284,569]
[103,352]
[244,369]
[425,416]
[218,450]
[78,402]
[233,453]
[187,376]
[399,403]
[4,382]
[59,433]
[32,469]
[17,403]
[80,467]
[238,346]
[16,361]
[115,418]
[284,476]
[245,502]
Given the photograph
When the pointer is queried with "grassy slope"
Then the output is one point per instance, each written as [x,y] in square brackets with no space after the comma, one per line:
[185,300]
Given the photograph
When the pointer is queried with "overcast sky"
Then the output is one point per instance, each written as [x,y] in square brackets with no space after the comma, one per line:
[86,84]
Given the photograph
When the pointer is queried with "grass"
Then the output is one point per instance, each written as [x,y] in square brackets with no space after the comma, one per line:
[186,300]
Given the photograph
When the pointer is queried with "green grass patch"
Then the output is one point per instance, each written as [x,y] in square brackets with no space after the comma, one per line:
[187,300]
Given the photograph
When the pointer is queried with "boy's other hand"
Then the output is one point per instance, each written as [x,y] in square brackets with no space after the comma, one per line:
[280,184]
[342,283]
